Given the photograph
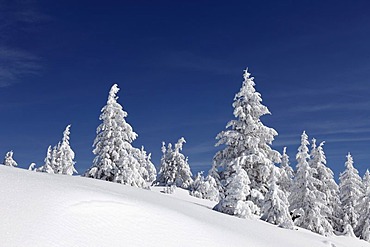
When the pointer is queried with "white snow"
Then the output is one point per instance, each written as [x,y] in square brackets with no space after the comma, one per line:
[40,209]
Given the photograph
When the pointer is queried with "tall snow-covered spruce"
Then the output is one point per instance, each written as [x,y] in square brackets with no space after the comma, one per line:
[306,202]
[331,209]
[250,140]
[350,191]
[115,158]
[175,169]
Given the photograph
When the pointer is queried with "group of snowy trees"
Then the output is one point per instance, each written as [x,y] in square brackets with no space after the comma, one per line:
[244,179]
[59,159]
[251,183]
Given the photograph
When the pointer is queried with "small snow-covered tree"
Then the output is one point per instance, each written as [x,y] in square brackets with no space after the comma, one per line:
[49,160]
[363,226]
[306,202]
[248,137]
[286,173]
[32,167]
[347,228]
[350,192]
[175,169]
[8,160]
[237,190]
[65,155]
[147,168]
[213,172]
[275,208]
[205,188]
[331,208]
[114,156]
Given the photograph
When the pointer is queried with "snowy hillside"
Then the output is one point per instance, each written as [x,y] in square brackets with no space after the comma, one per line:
[40,209]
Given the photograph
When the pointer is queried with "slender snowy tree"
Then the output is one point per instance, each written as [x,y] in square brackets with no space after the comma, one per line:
[49,160]
[366,181]
[65,155]
[306,202]
[286,173]
[236,192]
[248,137]
[114,160]
[147,168]
[363,227]
[175,169]
[350,191]
[205,188]
[275,209]
[8,160]
[331,208]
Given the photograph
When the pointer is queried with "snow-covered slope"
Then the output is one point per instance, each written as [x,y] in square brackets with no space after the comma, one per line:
[39,209]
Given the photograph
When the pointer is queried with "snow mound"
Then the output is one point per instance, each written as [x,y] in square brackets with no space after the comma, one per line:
[40,209]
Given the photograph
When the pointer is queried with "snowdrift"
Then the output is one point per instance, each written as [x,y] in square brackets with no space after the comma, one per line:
[39,209]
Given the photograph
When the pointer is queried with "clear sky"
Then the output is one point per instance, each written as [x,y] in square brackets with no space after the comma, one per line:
[179,65]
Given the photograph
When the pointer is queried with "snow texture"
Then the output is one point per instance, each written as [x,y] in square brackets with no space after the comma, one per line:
[43,210]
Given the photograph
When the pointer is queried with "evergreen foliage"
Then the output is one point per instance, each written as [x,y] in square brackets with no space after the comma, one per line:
[286,173]
[205,188]
[331,209]
[60,158]
[350,191]
[115,159]
[237,190]
[8,160]
[248,137]
[275,208]
[306,202]
[175,169]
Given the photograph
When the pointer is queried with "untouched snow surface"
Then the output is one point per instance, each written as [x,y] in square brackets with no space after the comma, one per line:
[39,209]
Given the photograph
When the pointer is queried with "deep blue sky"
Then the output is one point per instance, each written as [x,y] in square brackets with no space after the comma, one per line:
[179,65]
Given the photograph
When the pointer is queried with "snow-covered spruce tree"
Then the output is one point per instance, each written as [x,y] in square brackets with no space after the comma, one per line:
[275,208]
[114,156]
[60,158]
[350,192]
[8,160]
[248,137]
[147,168]
[205,188]
[65,155]
[32,167]
[49,162]
[237,190]
[332,208]
[366,181]
[306,202]
[363,228]
[213,172]
[286,173]
[175,169]
[198,180]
